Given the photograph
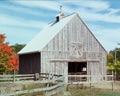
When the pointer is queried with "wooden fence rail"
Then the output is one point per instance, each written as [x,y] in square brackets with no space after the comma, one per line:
[57,86]
[15,78]
[53,85]
[89,78]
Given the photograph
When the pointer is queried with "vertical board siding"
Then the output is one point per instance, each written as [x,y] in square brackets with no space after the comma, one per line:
[75,31]
[29,63]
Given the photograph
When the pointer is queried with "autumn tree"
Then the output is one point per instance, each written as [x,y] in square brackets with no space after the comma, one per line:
[8,59]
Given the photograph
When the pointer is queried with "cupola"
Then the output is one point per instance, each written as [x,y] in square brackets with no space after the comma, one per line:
[60,15]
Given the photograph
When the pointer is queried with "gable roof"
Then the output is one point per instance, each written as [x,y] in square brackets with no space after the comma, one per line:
[43,38]
[48,33]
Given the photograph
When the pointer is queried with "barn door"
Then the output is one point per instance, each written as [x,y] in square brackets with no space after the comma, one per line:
[29,63]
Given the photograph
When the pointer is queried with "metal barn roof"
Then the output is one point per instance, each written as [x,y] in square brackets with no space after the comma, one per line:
[47,34]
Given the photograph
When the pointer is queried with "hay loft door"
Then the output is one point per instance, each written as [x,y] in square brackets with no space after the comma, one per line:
[77,68]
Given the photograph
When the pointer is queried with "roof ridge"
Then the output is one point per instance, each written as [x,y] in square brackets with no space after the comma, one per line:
[69,15]
[52,22]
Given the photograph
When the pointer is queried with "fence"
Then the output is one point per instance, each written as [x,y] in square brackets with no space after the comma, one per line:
[89,78]
[15,78]
[92,80]
[53,84]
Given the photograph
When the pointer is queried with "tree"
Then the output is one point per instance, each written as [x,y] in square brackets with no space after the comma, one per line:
[17,47]
[117,53]
[113,65]
[110,58]
[8,59]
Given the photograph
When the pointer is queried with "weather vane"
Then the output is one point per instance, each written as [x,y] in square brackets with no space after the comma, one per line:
[60,8]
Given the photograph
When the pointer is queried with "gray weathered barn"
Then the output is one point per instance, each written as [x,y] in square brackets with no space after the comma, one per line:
[63,47]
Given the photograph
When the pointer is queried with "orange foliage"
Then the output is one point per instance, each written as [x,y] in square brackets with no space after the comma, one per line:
[2,38]
[8,58]
[13,62]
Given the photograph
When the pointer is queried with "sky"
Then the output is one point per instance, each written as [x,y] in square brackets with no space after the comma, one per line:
[22,20]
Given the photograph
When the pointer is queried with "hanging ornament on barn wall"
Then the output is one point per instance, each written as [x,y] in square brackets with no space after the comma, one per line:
[75,50]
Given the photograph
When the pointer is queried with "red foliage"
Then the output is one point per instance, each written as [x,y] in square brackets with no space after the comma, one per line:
[2,38]
[13,62]
[7,56]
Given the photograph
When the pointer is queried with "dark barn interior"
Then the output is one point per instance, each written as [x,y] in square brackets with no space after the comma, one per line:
[77,68]
[29,63]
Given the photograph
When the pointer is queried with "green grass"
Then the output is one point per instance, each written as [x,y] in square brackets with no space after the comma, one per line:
[92,92]
[33,86]
[83,91]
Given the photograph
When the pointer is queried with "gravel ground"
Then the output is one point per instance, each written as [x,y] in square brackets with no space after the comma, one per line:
[8,87]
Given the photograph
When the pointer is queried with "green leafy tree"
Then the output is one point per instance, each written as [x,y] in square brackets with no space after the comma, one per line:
[110,58]
[17,47]
[113,65]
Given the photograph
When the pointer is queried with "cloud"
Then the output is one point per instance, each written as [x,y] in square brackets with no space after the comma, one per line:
[108,37]
[40,4]
[49,5]
[22,10]
[113,11]
[89,15]
[13,21]
[92,4]
[18,35]
[90,10]
[96,11]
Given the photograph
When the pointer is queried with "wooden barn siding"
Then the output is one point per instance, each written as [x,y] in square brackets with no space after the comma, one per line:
[59,48]
[29,63]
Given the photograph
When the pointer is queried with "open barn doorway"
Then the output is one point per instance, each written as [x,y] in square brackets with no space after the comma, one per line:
[77,68]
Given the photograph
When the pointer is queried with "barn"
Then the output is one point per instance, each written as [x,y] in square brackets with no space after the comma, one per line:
[65,46]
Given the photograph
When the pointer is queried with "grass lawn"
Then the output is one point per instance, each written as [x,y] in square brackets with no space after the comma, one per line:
[104,90]
[98,89]
[92,92]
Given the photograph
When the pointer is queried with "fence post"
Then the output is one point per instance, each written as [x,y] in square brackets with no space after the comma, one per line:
[90,79]
[13,76]
[46,93]
[112,82]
